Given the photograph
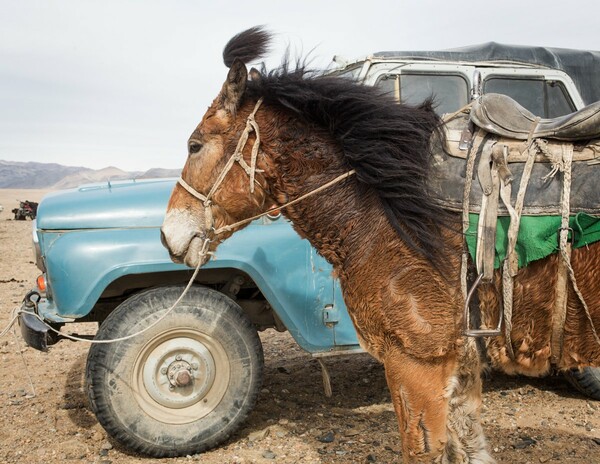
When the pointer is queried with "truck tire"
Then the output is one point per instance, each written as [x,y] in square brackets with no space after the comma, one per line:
[183,386]
[586,380]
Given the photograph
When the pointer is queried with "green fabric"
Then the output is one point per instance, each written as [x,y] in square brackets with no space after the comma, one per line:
[538,236]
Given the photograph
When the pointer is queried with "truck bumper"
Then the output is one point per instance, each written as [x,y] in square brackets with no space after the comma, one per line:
[35,334]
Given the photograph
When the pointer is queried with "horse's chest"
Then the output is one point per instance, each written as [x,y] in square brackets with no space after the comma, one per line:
[404,304]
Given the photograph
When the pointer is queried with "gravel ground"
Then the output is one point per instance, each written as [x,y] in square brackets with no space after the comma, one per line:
[525,420]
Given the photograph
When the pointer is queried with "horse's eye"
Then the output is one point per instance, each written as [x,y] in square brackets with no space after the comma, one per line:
[194,147]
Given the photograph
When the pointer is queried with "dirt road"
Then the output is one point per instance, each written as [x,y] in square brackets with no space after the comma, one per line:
[526,420]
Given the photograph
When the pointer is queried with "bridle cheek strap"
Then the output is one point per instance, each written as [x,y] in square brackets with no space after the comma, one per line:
[251,126]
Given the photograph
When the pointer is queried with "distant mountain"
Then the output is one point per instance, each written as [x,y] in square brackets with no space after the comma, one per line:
[160,172]
[90,176]
[15,174]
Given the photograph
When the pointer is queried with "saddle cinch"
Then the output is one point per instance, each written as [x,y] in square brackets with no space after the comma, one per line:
[503,165]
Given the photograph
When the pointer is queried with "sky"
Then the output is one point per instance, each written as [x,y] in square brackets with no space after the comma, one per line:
[123,83]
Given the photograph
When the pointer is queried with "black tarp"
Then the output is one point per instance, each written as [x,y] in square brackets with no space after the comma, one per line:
[581,65]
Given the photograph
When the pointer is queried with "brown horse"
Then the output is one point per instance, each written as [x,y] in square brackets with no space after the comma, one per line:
[272,138]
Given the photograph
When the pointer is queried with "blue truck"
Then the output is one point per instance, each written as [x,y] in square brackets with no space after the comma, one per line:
[186,380]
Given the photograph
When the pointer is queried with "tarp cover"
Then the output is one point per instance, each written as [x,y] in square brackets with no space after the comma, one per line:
[581,65]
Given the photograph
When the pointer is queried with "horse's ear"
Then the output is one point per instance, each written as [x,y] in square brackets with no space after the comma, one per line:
[255,75]
[234,87]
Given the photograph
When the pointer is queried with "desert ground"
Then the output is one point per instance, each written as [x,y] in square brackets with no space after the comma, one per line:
[44,415]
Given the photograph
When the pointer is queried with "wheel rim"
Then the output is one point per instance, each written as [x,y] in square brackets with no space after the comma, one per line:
[180,376]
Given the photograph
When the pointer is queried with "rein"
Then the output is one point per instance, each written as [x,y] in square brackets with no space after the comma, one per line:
[250,169]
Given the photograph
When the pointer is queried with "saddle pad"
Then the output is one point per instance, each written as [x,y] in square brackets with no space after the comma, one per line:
[538,236]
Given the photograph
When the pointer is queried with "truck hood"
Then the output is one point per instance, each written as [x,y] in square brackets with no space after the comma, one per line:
[121,204]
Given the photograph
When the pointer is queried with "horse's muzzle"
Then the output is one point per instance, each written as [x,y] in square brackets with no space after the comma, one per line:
[183,235]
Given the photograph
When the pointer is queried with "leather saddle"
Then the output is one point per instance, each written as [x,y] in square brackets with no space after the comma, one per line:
[503,116]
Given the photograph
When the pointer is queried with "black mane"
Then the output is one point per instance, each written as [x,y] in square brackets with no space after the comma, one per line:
[387,143]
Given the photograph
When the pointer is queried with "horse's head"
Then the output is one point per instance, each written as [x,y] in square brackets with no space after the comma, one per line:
[221,182]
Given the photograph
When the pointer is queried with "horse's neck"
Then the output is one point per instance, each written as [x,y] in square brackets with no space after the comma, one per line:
[343,222]
[339,221]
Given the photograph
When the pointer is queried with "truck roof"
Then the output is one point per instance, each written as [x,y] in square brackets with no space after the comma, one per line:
[583,66]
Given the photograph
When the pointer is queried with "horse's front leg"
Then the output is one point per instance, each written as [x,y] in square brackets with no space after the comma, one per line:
[466,441]
[420,393]
[437,403]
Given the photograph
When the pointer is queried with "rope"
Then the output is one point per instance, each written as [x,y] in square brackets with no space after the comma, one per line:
[580,296]
[238,157]
[229,227]
[564,163]
[558,329]
[202,252]
[33,392]
[16,312]
[470,168]
[511,263]
[449,117]
[339,178]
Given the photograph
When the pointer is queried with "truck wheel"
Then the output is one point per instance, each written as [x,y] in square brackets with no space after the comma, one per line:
[181,387]
[587,381]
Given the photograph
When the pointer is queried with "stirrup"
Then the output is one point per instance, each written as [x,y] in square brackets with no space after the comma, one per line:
[468,331]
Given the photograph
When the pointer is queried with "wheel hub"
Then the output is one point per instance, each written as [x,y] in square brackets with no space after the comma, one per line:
[179,372]
[180,375]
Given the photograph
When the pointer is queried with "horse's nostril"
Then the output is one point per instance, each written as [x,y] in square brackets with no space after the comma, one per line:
[163,239]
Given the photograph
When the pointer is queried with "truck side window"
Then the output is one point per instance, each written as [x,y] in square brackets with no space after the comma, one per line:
[547,99]
[450,92]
